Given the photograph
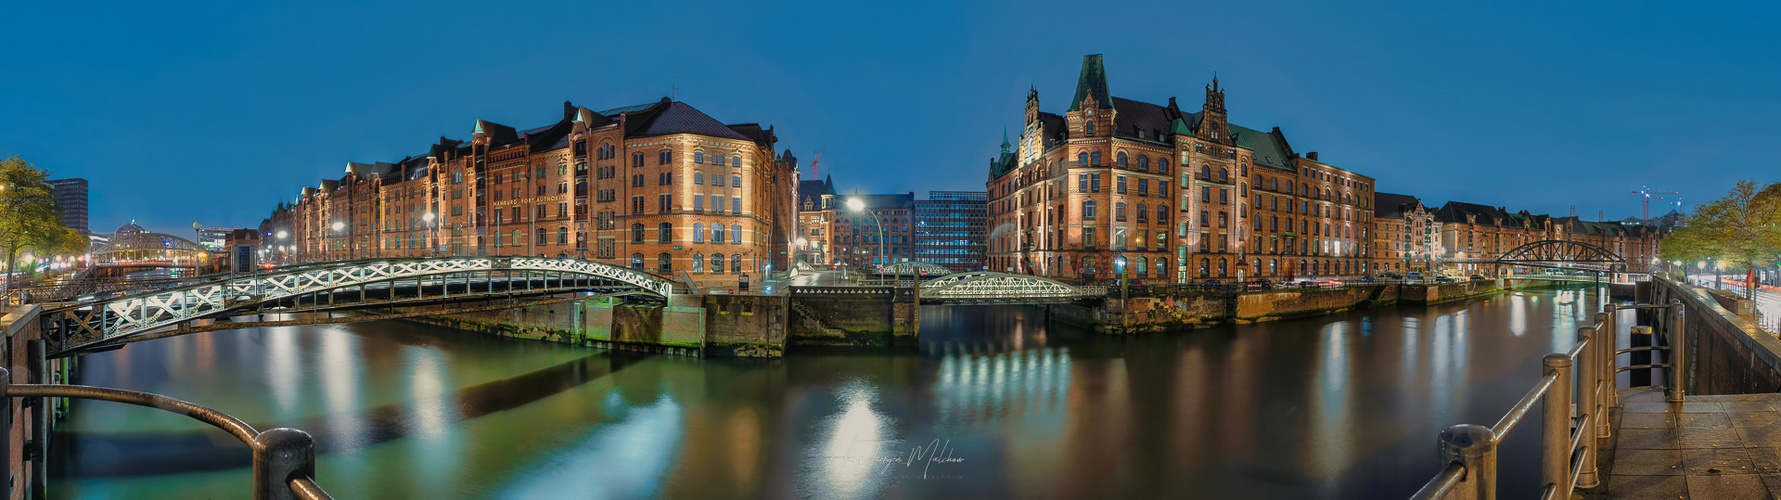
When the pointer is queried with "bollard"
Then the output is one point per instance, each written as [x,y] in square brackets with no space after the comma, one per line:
[1678,352]
[1588,403]
[1475,447]
[281,455]
[1604,371]
[1555,437]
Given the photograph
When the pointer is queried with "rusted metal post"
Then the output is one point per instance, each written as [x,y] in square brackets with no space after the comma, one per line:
[1555,437]
[1588,403]
[1678,352]
[281,455]
[1475,447]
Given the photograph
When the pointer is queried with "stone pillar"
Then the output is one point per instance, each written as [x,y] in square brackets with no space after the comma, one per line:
[683,321]
[597,319]
[905,318]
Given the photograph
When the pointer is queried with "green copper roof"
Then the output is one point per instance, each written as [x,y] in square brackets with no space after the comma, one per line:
[1180,127]
[1093,81]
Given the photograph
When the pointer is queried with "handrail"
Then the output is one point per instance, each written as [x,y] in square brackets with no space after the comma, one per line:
[283,458]
[1527,403]
[1443,483]
[1574,422]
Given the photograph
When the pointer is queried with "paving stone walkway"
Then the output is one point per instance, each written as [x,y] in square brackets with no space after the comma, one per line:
[1709,447]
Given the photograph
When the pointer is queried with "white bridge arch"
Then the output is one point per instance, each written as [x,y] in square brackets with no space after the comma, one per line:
[913,267]
[992,286]
[79,324]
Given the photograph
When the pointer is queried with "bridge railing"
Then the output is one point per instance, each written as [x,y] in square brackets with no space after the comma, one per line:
[1574,421]
[283,458]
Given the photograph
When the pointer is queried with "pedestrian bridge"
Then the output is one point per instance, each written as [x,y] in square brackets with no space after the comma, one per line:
[980,287]
[103,320]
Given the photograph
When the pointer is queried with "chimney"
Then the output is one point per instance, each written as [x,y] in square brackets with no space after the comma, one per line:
[1171,102]
[1312,155]
[568,110]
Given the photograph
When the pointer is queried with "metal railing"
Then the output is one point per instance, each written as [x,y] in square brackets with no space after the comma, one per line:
[1568,444]
[283,458]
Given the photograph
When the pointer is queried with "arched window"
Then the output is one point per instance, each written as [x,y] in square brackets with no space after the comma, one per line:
[736,234]
[1081,159]
[636,233]
[1288,187]
[736,160]
[1139,263]
[543,236]
[717,233]
[1221,268]
[1088,209]
[698,263]
[698,232]
[1088,128]
[1245,169]
[1094,158]
[519,237]
[664,233]
[1119,211]
[1273,266]
[1143,163]
[1143,213]
[1205,265]
[637,261]
[735,263]
[717,263]
[1206,172]
[664,263]
[1120,159]
[1224,175]
[1162,214]
[1162,165]
[1243,188]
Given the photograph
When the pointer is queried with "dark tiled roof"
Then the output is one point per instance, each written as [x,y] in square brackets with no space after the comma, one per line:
[1052,130]
[812,191]
[671,117]
[1392,205]
[753,131]
[1458,211]
[1093,80]
[1270,149]
[499,135]
[1143,120]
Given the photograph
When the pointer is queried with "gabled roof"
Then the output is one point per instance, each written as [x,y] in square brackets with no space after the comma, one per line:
[671,117]
[812,191]
[1458,211]
[1092,81]
[1143,120]
[1052,130]
[1270,148]
[1393,205]
[499,135]
[753,131]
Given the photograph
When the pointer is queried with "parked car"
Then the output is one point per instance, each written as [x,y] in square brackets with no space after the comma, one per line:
[1307,284]
[1260,284]
[1443,279]
[1329,283]
[1211,284]
[1365,279]
[1479,277]
[1394,276]
[1413,275]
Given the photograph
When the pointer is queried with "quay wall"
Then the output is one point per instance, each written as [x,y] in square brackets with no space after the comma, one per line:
[1726,352]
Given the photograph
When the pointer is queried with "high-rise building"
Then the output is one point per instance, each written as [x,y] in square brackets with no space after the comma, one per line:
[1176,195]
[658,186]
[71,203]
[950,229]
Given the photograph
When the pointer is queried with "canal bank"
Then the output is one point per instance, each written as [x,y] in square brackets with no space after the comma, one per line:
[1333,406]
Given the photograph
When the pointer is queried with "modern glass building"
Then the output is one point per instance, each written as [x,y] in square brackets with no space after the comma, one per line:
[950,229]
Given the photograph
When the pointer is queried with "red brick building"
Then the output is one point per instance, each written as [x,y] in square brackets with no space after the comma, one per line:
[658,186]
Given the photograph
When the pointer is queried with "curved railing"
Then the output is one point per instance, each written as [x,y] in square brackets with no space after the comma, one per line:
[284,458]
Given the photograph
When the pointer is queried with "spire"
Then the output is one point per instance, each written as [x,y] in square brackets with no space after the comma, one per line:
[1092,83]
[1005,145]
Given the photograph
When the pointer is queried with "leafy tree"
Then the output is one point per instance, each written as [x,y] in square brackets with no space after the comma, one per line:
[28,219]
[1743,230]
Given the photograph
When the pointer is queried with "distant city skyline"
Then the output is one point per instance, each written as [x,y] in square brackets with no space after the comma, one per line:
[177,117]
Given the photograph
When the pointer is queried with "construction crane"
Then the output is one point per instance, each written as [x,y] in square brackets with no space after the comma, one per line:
[1645,196]
[813,172]
[1680,204]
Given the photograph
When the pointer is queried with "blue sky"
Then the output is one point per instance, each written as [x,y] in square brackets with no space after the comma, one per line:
[215,111]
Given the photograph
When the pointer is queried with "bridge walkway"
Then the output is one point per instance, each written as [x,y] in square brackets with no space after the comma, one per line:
[1709,447]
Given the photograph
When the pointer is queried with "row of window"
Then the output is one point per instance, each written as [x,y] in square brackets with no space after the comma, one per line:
[665,263]
[665,233]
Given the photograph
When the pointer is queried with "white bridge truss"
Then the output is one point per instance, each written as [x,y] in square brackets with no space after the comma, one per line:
[80,324]
[997,287]
[913,268]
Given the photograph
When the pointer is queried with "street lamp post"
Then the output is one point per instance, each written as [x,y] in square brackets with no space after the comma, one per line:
[283,257]
[336,228]
[857,205]
[432,233]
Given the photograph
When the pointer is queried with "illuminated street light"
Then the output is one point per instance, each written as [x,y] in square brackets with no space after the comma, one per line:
[282,234]
[339,225]
[858,205]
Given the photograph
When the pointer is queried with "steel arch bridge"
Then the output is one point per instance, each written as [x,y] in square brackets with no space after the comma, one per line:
[1561,253]
[78,325]
[915,268]
[991,287]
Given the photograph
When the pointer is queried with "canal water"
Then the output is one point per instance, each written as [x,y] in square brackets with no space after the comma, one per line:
[995,404]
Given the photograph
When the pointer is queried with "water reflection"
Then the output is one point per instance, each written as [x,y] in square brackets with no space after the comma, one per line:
[1343,406]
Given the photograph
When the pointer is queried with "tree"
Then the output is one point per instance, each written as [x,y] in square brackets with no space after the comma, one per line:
[1741,230]
[28,219]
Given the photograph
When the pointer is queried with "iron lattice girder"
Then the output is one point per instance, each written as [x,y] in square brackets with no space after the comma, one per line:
[1558,251]
[990,285]
[912,267]
[84,324]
